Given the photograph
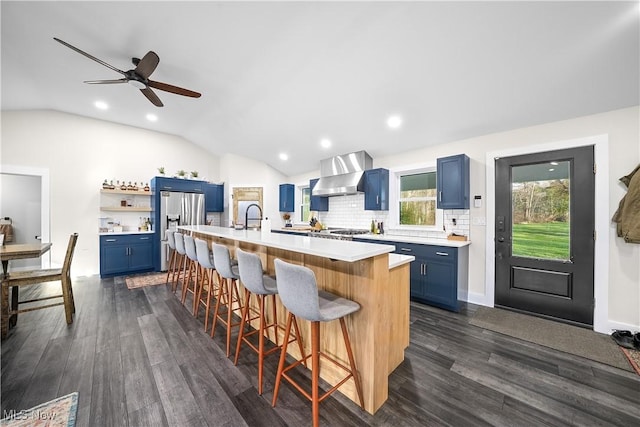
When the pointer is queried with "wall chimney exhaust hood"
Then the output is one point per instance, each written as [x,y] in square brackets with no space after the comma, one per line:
[342,175]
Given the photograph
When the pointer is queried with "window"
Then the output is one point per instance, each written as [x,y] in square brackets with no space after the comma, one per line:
[306,201]
[417,199]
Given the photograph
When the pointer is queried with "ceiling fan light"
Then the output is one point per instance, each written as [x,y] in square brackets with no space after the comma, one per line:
[137,84]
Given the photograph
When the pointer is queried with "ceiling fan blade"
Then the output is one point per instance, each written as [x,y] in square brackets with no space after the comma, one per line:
[89,56]
[173,89]
[105,82]
[151,96]
[147,64]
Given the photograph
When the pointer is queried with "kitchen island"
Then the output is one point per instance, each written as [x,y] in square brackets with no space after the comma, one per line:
[363,272]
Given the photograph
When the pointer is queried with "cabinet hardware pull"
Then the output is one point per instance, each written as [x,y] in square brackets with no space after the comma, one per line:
[439,196]
[442,253]
[405,249]
[377,200]
[425,269]
[111,240]
[144,238]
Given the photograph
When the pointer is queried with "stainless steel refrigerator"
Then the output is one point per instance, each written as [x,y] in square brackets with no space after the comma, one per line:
[178,209]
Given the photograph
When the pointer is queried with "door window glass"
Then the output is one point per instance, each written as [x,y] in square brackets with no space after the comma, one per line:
[540,197]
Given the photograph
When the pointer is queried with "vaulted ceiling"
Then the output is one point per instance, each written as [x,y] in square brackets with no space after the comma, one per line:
[277,77]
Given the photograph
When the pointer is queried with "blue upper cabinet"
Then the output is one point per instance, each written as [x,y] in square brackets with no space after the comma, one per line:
[376,190]
[287,196]
[214,197]
[160,183]
[317,203]
[453,182]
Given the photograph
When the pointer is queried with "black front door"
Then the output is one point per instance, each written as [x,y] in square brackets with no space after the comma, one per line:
[544,236]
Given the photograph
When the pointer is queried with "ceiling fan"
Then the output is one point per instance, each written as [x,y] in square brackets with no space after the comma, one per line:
[139,76]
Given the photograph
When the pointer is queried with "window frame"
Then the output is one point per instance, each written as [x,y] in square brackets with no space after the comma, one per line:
[394,197]
[300,211]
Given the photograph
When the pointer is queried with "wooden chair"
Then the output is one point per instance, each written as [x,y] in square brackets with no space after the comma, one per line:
[35,277]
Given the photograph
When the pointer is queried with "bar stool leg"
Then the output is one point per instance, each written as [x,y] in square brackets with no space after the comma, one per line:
[352,362]
[315,372]
[283,356]
[171,266]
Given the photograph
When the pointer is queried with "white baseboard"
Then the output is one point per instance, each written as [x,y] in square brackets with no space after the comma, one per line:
[613,325]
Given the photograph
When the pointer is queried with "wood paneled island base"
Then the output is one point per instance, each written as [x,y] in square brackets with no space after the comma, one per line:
[379,331]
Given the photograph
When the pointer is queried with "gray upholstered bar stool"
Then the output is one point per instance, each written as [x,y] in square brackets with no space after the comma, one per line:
[208,278]
[191,270]
[171,241]
[261,285]
[227,291]
[299,293]
[181,260]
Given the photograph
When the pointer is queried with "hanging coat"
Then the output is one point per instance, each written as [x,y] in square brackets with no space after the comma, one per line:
[627,216]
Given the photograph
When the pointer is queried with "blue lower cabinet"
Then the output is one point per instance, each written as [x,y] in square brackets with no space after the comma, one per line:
[125,253]
[434,273]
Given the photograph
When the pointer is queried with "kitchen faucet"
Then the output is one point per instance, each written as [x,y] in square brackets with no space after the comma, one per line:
[246,215]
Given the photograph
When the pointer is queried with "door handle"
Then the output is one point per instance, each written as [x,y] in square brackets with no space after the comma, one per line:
[38,237]
[500,239]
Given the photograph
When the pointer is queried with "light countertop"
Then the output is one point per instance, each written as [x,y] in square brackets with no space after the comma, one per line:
[396,260]
[125,232]
[395,238]
[327,248]
[413,239]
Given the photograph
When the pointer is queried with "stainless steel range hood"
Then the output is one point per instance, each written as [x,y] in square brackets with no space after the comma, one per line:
[341,175]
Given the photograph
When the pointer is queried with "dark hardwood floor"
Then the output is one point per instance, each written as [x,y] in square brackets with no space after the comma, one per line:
[139,358]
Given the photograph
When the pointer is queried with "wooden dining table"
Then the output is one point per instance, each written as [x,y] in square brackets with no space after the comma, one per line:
[12,252]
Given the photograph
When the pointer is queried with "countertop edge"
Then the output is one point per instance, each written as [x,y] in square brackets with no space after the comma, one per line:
[396,260]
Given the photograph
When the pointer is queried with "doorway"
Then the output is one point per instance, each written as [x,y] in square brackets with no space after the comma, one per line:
[28,208]
[544,234]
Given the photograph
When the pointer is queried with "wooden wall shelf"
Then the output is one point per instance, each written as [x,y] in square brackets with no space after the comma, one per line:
[127,192]
[126,208]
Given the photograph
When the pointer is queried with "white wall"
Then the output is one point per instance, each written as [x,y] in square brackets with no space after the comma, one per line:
[79,154]
[238,171]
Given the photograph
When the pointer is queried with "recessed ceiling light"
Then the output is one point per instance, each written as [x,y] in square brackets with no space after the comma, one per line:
[394,122]
[152,117]
[554,163]
[551,169]
[284,156]
[101,105]
[325,142]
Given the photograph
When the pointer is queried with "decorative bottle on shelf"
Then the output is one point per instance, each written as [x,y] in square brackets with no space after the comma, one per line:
[123,186]
[105,185]
[146,187]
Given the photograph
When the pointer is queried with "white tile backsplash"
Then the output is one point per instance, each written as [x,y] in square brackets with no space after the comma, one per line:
[348,212]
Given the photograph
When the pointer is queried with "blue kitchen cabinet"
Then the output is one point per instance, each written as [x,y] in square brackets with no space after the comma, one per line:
[436,274]
[317,203]
[453,182]
[287,196]
[125,253]
[160,183]
[376,190]
[214,197]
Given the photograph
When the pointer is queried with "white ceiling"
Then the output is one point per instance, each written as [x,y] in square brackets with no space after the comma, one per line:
[279,76]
